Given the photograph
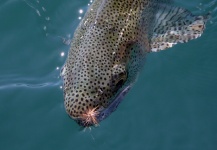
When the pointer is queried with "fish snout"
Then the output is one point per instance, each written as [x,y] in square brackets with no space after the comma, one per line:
[83,108]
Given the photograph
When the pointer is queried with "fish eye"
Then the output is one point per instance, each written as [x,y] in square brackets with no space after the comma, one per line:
[119,83]
[119,76]
[120,80]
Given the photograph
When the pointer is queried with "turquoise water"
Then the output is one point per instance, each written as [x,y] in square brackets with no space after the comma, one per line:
[173,105]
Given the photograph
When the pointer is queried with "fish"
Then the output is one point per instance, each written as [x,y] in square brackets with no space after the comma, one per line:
[109,48]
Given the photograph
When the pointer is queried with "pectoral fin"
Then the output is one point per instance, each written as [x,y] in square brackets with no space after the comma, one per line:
[175,25]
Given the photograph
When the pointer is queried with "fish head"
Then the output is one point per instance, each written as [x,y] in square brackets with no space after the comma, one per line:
[102,64]
[93,94]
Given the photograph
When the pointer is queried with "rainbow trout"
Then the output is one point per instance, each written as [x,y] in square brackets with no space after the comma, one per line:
[109,48]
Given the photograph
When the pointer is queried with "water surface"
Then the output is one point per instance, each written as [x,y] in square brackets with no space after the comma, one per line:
[173,105]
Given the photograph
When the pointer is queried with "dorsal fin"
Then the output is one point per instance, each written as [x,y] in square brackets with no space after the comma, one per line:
[174,25]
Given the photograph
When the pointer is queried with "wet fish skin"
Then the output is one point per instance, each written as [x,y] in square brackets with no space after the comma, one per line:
[109,47]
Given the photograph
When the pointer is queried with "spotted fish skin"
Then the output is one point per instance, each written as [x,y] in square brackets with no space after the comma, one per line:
[109,48]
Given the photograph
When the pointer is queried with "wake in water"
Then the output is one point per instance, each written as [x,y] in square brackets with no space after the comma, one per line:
[53,78]
[40,10]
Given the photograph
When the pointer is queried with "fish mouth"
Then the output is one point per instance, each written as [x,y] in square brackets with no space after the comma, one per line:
[102,112]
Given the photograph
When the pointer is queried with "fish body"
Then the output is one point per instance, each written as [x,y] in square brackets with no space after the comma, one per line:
[109,47]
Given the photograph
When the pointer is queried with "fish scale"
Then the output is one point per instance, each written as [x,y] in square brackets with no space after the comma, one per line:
[109,47]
